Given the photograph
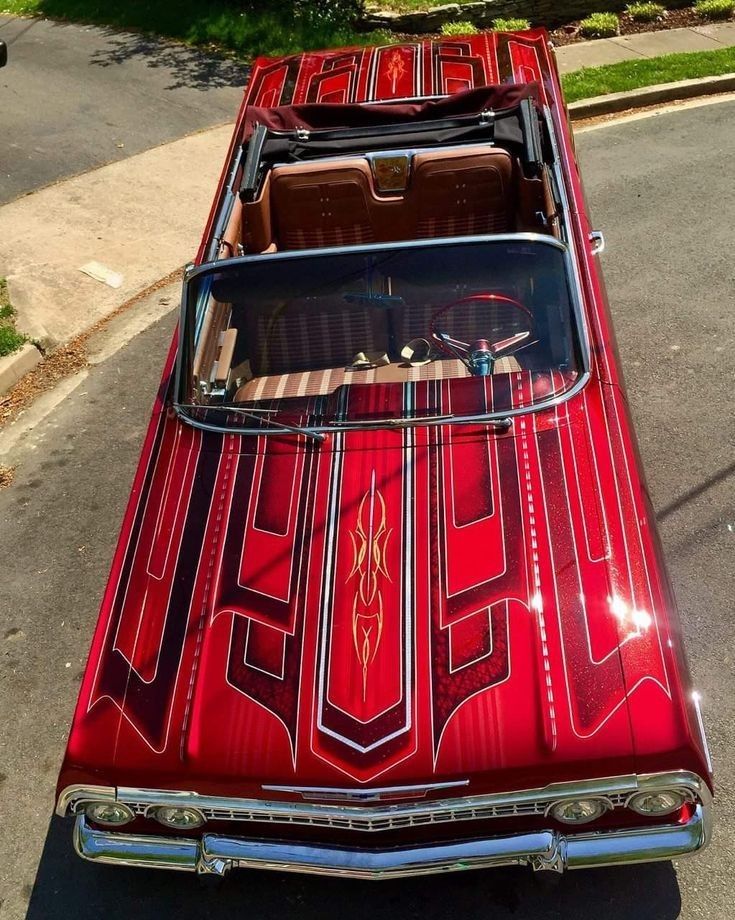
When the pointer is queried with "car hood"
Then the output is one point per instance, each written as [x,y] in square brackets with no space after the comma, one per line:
[428,605]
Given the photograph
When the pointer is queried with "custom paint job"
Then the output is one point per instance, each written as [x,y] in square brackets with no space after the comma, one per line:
[393,607]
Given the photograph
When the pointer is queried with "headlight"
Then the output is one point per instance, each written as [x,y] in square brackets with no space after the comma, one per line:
[173,816]
[578,811]
[109,813]
[657,803]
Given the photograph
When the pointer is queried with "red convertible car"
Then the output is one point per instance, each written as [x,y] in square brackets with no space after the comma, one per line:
[389,597]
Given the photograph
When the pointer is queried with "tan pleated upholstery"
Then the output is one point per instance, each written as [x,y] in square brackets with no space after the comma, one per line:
[335,203]
[321,383]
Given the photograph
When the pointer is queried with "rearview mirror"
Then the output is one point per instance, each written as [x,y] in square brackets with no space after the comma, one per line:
[3,54]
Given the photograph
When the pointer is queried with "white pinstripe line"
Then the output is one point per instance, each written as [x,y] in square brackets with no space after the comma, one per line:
[536,601]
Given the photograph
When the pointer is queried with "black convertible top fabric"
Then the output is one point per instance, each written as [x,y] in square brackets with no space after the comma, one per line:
[282,149]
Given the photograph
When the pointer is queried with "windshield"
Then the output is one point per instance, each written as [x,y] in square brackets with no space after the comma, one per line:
[360,335]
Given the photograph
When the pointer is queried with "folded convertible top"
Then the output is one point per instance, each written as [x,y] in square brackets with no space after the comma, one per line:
[505,115]
[316,116]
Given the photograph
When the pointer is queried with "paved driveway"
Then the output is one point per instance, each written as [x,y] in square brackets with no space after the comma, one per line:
[75,97]
[661,190]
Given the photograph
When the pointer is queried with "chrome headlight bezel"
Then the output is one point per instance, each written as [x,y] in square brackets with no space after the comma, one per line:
[92,811]
[164,814]
[601,807]
[681,796]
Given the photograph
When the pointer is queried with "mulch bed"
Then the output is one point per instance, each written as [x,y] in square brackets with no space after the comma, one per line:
[672,19]
[569,34]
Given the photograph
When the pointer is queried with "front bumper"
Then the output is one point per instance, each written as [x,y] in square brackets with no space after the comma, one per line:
[543,850]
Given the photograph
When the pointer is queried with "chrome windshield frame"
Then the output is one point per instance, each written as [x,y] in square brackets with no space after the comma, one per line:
[192,272]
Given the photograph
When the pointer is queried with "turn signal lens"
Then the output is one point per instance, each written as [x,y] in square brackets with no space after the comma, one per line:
[111,814]
[578,811]
[657,803]
[181,818]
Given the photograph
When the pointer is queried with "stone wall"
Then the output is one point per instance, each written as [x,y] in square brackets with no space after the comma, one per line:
[482,13]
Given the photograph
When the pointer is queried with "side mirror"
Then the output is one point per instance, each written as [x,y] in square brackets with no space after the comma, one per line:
[3,54]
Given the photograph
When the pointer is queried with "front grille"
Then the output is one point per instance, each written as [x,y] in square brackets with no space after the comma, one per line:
[383,819]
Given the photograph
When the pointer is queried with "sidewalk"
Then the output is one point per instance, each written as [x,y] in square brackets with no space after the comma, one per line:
[141,218]
[645,45]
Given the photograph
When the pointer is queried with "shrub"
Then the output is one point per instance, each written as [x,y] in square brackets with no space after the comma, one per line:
[600,25]
[511,25]
[715,9]
[377,37]
[645,11]
[458,28]
[301,14]
[332,12]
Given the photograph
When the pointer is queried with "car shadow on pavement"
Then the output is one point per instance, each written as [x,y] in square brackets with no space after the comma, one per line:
[66,886]
[188,67]
[696,492]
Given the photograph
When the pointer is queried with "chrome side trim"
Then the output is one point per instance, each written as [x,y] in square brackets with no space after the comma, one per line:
[697,700]
[568,230]
[542,850]
[376,818]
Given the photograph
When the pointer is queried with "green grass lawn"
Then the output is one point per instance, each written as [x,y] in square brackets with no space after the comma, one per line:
[627,75]
[10,340]
[197,22]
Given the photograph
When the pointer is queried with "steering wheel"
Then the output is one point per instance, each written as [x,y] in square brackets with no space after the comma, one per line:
[479,356]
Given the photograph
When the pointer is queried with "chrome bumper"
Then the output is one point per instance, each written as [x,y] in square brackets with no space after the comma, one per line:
[550,850]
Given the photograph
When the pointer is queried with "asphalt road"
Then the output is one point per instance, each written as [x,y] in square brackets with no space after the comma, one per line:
[662,191]
[75,97]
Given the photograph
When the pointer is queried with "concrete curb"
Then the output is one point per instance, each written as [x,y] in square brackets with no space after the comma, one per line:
[651,95]
[17,365]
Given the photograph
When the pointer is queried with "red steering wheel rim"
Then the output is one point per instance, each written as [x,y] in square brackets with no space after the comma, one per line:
[485,296]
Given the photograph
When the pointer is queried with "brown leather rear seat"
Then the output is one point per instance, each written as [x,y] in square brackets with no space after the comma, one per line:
[461,192]
[450,193]
[322,205]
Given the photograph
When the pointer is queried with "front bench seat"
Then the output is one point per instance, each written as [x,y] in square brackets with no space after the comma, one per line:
[312,334]
[323,382]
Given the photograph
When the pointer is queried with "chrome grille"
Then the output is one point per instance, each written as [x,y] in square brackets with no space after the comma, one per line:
[349,818]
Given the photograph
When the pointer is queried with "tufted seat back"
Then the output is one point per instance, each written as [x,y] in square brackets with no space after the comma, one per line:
[456,192]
